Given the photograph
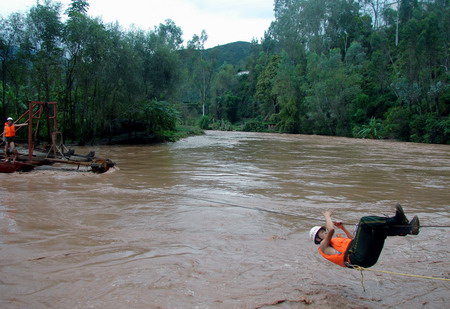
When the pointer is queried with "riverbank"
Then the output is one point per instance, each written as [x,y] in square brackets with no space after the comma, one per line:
[142,138]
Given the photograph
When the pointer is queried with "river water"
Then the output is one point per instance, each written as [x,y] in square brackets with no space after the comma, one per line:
[222,221]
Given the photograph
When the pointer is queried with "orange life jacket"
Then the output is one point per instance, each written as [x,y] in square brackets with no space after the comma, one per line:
[10,131]
[340,244]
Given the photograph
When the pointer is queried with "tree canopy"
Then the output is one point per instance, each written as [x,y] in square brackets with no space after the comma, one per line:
[369,68]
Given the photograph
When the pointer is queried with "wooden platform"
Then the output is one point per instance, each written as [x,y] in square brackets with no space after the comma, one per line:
[11,167]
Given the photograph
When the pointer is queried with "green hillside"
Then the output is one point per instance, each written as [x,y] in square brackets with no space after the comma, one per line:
[232,53]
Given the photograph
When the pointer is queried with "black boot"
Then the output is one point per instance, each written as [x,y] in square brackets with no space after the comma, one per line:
[411,228]
[415,226]
[400,217]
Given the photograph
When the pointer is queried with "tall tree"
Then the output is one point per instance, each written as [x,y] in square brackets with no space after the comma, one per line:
[44,38]
[11,34]
[199,69]
[78,7]
[332,90]
[288,86]
[268,101]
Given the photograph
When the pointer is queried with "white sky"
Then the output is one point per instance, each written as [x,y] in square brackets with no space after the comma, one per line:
[224,21]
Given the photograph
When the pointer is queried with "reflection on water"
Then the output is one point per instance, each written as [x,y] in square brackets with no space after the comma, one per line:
[221,221]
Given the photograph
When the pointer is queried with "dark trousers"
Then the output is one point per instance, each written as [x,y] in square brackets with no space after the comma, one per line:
[365,249]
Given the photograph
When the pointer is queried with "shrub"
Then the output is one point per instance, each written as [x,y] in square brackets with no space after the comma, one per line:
[254,126]
[204,122]
[371,130]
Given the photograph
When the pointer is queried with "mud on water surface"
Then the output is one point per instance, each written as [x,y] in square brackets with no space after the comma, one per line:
[222,221]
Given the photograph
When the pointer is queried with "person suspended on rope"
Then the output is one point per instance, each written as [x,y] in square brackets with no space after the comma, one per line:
[365,247]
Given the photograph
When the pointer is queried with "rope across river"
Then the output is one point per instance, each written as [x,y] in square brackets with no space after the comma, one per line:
[259,208]
[361,269]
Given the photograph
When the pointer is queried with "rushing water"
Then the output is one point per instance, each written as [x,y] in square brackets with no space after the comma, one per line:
[222,221]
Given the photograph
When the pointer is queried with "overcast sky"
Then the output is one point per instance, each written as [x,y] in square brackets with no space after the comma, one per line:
[224,21]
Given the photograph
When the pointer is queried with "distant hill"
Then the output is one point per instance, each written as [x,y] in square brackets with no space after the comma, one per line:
[231,53]
[235,53]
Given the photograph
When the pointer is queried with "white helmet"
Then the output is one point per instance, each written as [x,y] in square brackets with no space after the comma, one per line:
[9,118]
[313,233]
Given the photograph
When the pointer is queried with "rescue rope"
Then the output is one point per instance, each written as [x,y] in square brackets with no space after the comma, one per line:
[360,268]
[263,209]
[227,204]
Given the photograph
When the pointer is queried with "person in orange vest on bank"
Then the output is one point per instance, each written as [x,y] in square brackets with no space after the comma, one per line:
[9,133]
[365,247]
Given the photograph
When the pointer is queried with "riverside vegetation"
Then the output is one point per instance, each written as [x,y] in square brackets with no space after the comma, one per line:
[368,69]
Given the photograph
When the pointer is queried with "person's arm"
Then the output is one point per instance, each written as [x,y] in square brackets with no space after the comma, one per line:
[325,243]
[341,226]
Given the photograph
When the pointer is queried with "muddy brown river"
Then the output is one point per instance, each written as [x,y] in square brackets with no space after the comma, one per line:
[222,221]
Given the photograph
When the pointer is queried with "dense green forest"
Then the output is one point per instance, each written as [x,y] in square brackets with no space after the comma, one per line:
[370,69]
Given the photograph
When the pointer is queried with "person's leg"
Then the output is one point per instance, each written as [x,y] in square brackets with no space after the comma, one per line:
[372,231]
[13,151]
[397,225]
[6,150]
[368,243]
[411,228]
